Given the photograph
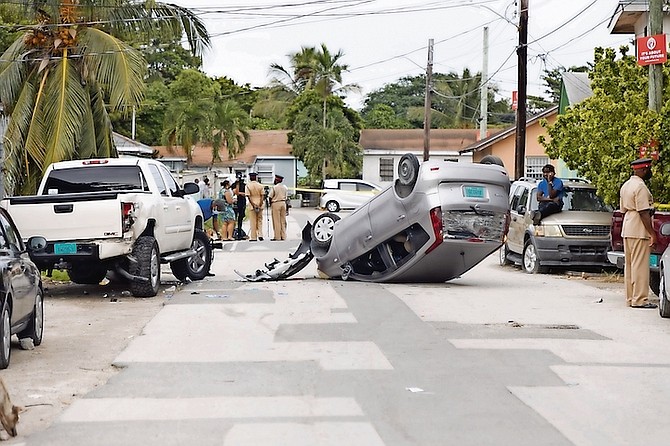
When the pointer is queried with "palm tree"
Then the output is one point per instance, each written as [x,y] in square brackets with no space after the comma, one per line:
[62,74]
[230,128]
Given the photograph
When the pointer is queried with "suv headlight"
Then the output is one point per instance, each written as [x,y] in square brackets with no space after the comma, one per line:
[545,230]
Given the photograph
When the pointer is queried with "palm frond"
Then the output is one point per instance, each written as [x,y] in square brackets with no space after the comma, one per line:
[104,140]
[118,68]
[12,73]
[65,103]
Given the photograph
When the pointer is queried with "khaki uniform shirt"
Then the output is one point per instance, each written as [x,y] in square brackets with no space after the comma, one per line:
[255,194]
[278,193]
[634,198]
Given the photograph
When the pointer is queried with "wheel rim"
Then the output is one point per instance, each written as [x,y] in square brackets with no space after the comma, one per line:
[406,171]
[323,229]
[502,255]
[661,291]
[529,258]
[332,206]
[6,334]
[39,315]
[199,259]
[154,268]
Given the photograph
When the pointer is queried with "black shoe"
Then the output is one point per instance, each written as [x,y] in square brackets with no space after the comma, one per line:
[537,216]
[211,274]
[647,305]
[260,239]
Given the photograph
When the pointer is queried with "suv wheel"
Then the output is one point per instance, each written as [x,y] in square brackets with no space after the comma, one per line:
[655,282]
[663,304]
[530,262]
[502,254]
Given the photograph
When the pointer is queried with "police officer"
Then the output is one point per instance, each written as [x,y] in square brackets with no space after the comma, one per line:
[278,196]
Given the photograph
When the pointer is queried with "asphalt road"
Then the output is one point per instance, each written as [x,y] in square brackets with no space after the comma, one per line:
[495,357]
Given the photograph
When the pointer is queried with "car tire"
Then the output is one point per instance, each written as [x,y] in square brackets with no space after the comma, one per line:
[502,255]
[5,337]
[145,264]
[86,274]
[322,230]
[655,282]
[529,261]
[663,304]
[492,159]
[35,328]
[197,266]
[332,206]
[408,170]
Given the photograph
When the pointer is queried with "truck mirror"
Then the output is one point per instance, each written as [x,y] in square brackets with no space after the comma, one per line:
[191,188]
[37,243]
[521,209]
[665,229]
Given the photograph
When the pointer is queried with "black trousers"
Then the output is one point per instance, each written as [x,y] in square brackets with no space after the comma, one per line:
[241,209]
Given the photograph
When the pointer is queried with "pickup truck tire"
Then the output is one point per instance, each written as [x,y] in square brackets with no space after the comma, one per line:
[655,282]
[197,266]
[529,260]
[145,264]
[35,328]
[86,274]
[5,337]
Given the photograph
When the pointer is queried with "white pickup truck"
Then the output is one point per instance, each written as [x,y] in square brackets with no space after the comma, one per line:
[128,215]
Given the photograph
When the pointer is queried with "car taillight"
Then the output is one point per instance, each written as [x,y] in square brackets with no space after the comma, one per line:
[127,217]
[436,221]
[94,161]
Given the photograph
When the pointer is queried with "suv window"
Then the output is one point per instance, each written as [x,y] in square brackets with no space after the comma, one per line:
[584,199]
[95,179]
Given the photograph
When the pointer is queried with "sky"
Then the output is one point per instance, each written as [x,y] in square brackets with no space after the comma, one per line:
[385,40]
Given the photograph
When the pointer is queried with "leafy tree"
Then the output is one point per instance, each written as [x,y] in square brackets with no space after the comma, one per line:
[189,112]
[230,129]
[149,118]
[601,135]
[11,15]
[62,72]
[166,59]
[382,116]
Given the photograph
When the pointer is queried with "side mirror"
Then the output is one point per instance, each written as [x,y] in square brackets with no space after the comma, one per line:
[191,188]
[521,209]
[665,229]
[36,243]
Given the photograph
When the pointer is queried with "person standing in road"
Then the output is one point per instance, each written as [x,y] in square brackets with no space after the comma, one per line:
[241,203]
[255,199]
[278,196]
[549,194]
[637,204]
[207,191]
[227,213]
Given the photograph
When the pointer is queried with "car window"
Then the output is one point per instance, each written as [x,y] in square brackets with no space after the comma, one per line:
[365,187]
[94,179]
[13,240]
[523,200]
[348,186]
[162,189]
[584,200]
[169,180]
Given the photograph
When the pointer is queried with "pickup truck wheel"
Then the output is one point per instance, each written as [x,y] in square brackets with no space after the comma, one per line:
[655,282]
[86,274]
[530,262]
[663,304]
[35,327]
[197,266]
[146,264]
[5,338]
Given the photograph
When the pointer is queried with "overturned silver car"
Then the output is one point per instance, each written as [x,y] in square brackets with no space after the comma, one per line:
[436,222]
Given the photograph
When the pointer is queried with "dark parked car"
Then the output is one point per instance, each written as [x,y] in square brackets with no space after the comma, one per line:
[22,306]
[438,220]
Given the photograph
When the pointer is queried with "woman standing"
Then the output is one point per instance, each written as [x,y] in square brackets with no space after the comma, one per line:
[227,214]
[240,192]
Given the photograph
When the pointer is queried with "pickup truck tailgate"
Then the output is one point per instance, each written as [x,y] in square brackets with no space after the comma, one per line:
[60,217]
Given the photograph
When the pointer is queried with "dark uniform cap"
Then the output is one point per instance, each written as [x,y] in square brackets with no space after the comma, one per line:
[641,163]
[279,178]
[253,175]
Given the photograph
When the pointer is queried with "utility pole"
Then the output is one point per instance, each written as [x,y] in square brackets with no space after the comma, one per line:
[484,90]
[427,103]
[522,54]
[656,70]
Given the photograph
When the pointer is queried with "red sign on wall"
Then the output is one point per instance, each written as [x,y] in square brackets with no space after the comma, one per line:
[515,100]
[651,50]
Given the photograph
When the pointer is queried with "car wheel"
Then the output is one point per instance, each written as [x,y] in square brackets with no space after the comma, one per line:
[86,274]
[502,255]
[322,229]
[5,337]
[663,304]
[332,206]
[197,266]
[530,262]
[145,264]
[35,327]
[408,169]
[655,282]
[492,159]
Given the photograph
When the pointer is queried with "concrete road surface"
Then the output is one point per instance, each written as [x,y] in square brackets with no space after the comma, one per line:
[497,357]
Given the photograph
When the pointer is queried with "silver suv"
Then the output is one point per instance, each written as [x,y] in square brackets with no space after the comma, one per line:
[578,236]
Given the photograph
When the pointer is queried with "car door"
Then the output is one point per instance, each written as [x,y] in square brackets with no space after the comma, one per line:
[168,218]
[18,268]
[517,227]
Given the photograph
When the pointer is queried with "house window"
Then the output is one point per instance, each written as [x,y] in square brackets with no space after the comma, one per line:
[265,173]
[386,169]
[534,166]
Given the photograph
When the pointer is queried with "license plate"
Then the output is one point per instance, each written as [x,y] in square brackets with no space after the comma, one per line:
[65,248]
[474,192]
[653,260]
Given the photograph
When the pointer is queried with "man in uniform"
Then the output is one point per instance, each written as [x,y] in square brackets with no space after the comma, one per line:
[255,199]
[638,234]
[278,196]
